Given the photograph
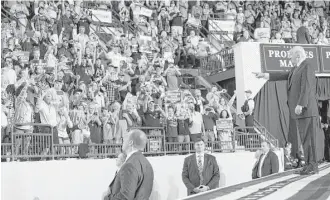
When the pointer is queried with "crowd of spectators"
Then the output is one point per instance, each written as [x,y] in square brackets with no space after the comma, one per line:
[279,21]
[56,71]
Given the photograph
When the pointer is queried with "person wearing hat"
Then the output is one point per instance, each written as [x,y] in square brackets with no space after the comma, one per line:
[206,165]
[248,111]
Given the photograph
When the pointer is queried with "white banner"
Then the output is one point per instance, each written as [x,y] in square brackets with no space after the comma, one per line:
[260,33]
[102,15]
[146,12]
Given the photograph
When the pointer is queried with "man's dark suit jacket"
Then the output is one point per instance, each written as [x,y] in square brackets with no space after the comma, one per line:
[190,173]
[301,89]
[270,166]
[134,180]
[303,36]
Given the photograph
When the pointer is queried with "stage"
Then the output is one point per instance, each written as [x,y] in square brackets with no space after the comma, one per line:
[285,185]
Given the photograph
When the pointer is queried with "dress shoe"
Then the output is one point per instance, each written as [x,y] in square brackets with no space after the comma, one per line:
[307,172]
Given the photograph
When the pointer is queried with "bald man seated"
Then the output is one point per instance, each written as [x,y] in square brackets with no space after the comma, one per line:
[134,179]
[302,102]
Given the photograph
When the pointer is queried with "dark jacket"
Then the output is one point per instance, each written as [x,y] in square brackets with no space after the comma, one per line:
[301,89]
[270,166]
[303,36]
[190,174]
[134,180]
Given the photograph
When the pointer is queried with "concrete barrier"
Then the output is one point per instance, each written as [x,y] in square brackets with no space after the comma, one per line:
[88,179]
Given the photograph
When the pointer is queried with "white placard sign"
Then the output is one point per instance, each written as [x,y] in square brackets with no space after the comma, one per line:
[145,11]
[260,33]
[102,15]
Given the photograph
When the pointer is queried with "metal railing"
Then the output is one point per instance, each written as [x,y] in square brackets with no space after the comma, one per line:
[224,37]
[40,146]
[10,16]
[217,62]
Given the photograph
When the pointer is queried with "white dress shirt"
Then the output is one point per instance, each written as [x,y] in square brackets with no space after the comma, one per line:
[262,159]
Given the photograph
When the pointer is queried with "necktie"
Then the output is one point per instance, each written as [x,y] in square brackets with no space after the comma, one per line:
[200,169]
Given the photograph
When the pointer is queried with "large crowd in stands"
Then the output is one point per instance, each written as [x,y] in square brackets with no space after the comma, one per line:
[55,70]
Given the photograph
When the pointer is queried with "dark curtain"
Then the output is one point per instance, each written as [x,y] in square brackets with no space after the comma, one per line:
[229,85]
[271,109]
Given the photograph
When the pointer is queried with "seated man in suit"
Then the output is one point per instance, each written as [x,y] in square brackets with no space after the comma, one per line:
[267,164]
[289,161]
[134,179]
[200,170]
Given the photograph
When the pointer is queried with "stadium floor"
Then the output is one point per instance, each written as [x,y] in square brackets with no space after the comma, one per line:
[284,186]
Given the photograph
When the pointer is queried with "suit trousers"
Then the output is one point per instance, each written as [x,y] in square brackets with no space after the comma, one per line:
[249,122]
[307,129]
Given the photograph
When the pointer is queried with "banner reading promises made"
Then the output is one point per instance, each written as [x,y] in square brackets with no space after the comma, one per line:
[276,58]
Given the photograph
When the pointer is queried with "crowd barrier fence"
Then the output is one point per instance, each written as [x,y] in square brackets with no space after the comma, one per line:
[34,146]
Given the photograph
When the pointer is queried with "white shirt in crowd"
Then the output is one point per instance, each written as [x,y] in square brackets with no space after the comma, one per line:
[4,120]
[48,114]
[8,77]
[197,123]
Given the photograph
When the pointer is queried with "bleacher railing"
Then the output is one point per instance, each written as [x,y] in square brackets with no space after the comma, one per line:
[39,146]
[217,62]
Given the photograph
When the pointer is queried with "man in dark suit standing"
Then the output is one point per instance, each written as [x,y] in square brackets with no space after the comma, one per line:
[200,170]
[302,103]
[303,36]
[134,180]
[267,163]
[326,129]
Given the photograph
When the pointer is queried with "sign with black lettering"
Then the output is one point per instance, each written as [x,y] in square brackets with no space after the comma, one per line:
[224,124]
[276,57]
[154,145]
[24,56]
[173,97]
[325,59]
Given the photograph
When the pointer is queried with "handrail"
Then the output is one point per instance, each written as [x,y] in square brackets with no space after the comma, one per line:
[226,54]
[250,27]
[95,31]
[10,15]
[214,25]
[210,34]
[131,28]
[42,145]
[204,36]
[129,23]
[222,16]
[99,21]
